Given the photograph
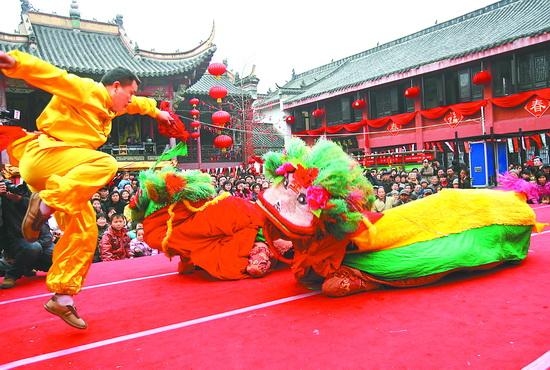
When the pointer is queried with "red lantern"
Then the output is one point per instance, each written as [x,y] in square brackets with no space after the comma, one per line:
[217,69]
[223,142]
[318,113]
[412,92]
[195,113]
[482,78]
[220,118]
[194,102]
[195,135]
[358,104]
[290,120]
[218,93]
[195,124]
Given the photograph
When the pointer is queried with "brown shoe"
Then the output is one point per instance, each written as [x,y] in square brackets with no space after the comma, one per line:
[7,283]
[33,220]
[66,313]
[345,281]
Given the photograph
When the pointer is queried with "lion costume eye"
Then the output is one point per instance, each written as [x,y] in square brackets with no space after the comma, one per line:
[301,198]
[285,183]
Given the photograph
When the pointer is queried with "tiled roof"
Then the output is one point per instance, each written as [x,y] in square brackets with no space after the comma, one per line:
[83,51]
[486,28]
[265,138]
[202,86]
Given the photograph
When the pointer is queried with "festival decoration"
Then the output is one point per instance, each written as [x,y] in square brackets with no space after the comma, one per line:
[290,120]
[220,118]
[453,118]
[195,135]
[195,124]
[412,92]
[537,106]
[393,129]
[217,69]
[359,104]
[195,113]
[218,93]
[194,102]
[482,78]
[318,113]
[223,142]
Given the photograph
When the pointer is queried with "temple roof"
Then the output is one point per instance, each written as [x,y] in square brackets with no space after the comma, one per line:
[486,28]
[202,86]
[91,47]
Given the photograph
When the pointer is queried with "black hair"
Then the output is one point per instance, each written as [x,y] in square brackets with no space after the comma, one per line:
[118,215]
[120,74]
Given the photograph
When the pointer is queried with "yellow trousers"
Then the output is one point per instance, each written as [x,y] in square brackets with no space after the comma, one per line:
[66,178]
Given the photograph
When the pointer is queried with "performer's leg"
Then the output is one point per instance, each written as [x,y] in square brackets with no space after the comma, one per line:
[74,251]
[66,178]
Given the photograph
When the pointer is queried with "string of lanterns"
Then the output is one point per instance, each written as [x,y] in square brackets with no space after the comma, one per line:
[219,118]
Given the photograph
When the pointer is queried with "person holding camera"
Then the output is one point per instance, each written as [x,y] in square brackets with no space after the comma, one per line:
[21,257]
[61,164]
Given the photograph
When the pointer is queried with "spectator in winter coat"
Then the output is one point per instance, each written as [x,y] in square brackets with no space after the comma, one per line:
[115,243]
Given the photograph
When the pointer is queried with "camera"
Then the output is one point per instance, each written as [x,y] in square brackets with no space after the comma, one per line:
[10,114]
[10,187]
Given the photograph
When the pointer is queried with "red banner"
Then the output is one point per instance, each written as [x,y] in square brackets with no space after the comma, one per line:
[397,158]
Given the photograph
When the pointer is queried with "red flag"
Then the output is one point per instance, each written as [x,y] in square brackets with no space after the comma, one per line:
[526,143]
[439,146]
[536,138]
[466,147]
[516,144]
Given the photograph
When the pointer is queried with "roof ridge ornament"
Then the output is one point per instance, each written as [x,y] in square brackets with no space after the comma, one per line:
[75,15]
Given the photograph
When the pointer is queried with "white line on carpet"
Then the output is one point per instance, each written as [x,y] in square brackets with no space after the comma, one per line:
[541,363]
[89,287]
[141,334]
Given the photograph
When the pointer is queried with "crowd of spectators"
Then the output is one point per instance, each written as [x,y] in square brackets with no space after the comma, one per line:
[394,188]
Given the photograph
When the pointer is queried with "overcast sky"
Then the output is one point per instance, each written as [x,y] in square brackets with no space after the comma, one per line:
[275,36]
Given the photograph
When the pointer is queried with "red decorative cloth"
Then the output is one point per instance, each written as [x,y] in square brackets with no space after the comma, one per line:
[177,131]
[518,99]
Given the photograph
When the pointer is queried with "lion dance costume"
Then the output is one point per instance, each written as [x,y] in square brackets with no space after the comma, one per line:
[320,202]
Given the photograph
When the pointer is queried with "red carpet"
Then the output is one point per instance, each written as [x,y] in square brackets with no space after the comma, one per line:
[490,320]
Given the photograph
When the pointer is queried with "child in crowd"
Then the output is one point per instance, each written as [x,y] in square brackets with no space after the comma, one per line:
[138,247]
[115,243]
[102,226]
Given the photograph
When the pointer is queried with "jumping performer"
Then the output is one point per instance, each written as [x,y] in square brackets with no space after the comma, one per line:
[62,167]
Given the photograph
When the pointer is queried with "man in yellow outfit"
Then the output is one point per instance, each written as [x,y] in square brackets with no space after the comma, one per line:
[62,167]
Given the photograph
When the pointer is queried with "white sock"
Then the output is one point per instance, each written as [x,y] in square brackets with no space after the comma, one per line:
[44,209]
[64,300]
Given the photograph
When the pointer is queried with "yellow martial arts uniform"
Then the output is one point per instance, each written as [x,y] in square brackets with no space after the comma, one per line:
[62,164]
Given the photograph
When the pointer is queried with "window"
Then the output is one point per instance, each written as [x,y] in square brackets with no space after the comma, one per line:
[502,77]
[451,87]
[333,111]
[388,101]
[347,114]
[533,70]
[433,92]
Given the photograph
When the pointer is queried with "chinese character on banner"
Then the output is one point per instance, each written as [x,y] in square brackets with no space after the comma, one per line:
[537,106]
[453,118]
[393,128]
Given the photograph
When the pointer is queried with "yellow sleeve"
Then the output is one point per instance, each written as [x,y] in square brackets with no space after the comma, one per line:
[142,105]
[49,78]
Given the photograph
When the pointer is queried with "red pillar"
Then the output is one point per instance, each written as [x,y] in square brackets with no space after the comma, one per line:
[418,123]
[488,109]
[364,117]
